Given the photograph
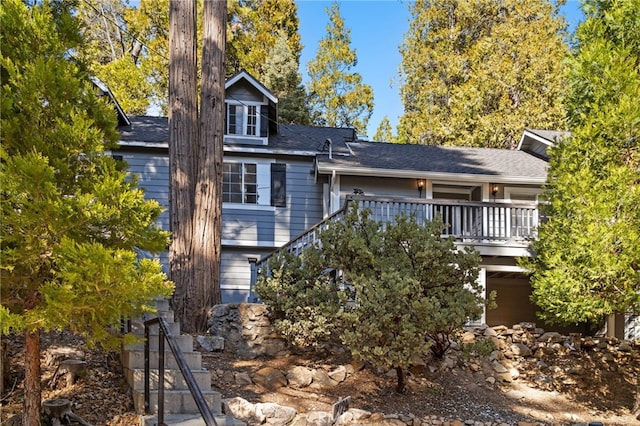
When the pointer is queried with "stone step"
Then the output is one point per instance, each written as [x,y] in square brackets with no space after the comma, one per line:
[135,360]
[185,343]
[189,420]
[177,402]
[173,379]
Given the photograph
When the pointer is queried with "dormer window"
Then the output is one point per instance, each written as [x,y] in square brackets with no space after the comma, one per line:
[243,120]
[250,111]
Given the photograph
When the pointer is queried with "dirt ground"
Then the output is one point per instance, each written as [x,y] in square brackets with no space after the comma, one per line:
[101,397]
[451,395]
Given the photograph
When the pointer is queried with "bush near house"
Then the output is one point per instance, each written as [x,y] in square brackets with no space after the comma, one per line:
[412,290]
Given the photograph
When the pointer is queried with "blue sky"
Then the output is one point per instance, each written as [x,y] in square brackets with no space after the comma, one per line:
[377,29]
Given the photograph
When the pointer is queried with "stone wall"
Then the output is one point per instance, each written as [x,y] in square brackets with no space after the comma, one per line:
[245,329]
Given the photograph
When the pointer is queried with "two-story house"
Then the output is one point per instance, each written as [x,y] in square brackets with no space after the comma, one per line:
[281,179]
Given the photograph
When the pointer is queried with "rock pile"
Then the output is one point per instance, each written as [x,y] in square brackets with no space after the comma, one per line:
[244,329]
[494,356]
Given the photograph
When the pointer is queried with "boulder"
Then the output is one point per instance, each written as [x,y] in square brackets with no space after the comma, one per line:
[319,418]
[269,378]
[211,343]
[339,374]
[275,414]
[243,410]
[520,349]
[300,377]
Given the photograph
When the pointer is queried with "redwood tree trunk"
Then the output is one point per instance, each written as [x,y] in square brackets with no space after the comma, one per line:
[208,186]
[32,393]
[183,137]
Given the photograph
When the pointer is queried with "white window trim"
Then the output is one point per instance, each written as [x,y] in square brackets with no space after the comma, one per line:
[245,106]
[263,181]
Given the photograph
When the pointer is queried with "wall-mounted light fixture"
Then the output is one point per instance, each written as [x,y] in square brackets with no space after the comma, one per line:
[494,189]
[420,184]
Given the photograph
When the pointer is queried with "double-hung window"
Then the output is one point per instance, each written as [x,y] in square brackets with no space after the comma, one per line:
[239,182]
[243,119]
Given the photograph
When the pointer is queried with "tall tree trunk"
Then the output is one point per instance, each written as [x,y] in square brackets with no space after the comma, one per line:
[183,137]
[32,393]
[208,186]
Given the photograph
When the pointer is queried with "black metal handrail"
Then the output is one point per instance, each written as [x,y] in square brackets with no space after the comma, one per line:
[163,333]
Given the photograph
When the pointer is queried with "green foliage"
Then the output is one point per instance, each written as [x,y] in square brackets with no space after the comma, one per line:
[413,288]
[281,76]
[384,132]
[477,73]
[337,96]
[405,289]
[588,252]
[127,48]
[254,27]
[482,347]
[72,220]
[303,299]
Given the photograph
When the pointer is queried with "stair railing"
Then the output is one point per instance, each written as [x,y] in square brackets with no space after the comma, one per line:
[196,393]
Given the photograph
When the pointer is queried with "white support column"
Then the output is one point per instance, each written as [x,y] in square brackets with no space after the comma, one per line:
[334,203]
[326,200]
[482,280]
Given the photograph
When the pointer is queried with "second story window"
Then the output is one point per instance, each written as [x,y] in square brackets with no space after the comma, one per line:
[239,183]
[242,119]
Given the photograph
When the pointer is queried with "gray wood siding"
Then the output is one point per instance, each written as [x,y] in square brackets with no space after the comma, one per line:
[275,226]
[251,232]
[383,187]
[152,171]
[243,91]
[236,272]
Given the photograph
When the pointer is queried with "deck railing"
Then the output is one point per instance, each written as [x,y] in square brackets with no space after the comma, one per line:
[468,222]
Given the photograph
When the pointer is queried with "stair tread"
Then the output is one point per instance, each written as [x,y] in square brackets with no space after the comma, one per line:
[190,420]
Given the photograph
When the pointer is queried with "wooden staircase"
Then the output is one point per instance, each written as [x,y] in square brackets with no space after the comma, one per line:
[180,407]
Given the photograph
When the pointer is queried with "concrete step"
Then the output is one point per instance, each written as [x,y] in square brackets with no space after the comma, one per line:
[177,402]
[162,304]
[189,420]
[185,342]
[137,328]
[135,360]
[173,379]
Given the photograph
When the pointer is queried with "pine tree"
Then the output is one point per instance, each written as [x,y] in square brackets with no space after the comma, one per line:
[477,73]
[588,251]
[384,133]
[72,218]
[338,98]
[254,27]
[281,76]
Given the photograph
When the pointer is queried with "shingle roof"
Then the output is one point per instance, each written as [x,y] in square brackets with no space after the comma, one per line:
[146,129]
[290,137]
[371,157]
[310,138]
[376,156]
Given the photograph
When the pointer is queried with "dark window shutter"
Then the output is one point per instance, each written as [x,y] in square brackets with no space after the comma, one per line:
[278,185]
[232,119]
[264,120]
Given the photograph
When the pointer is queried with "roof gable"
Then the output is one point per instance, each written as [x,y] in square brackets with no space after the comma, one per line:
[244,75]
[536,142]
